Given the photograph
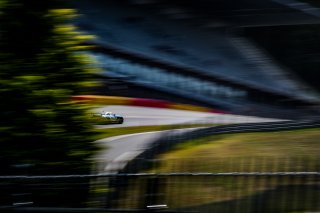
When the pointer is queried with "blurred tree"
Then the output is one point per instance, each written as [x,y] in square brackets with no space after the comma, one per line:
[42,64]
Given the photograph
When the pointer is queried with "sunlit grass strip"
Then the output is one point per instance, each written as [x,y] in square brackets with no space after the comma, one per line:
[110,132]
[275,152]
[218,148]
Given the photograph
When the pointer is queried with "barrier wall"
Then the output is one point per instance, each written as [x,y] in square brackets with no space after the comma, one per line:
[116,100]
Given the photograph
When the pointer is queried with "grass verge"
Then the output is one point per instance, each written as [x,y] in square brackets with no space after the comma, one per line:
[278,151]
[110,132]
[245,152]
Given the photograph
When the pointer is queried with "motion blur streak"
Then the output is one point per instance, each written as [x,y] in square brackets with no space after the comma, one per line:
[113,100]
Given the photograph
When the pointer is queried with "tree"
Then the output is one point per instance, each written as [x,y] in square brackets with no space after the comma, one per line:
[42,64]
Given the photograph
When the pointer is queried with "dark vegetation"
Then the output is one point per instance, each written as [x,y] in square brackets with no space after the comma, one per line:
[296,47]
[41,66]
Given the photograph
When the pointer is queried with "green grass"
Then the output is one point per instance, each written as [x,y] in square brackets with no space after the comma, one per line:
[279,151]
[245,152]
[110,132]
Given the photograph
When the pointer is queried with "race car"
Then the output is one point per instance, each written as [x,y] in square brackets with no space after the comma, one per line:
[109,117]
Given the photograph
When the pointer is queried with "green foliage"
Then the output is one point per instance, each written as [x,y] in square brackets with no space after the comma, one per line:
[41,66]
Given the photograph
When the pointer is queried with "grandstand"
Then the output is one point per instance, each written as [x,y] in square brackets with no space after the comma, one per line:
[196,51]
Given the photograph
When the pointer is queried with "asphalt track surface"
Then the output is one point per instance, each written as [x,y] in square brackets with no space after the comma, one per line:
[118,150]
[147,116]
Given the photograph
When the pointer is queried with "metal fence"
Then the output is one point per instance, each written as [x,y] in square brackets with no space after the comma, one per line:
[174,192]
[228,193]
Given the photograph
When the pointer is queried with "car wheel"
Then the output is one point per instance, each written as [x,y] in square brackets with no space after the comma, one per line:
[120,121]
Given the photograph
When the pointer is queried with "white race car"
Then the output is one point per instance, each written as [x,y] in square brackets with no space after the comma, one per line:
[109,117]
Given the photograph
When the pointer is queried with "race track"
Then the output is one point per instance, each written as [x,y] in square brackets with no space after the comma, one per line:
[117,151]
[147,116]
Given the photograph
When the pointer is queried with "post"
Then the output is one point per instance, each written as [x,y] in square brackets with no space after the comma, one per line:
[154,197]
